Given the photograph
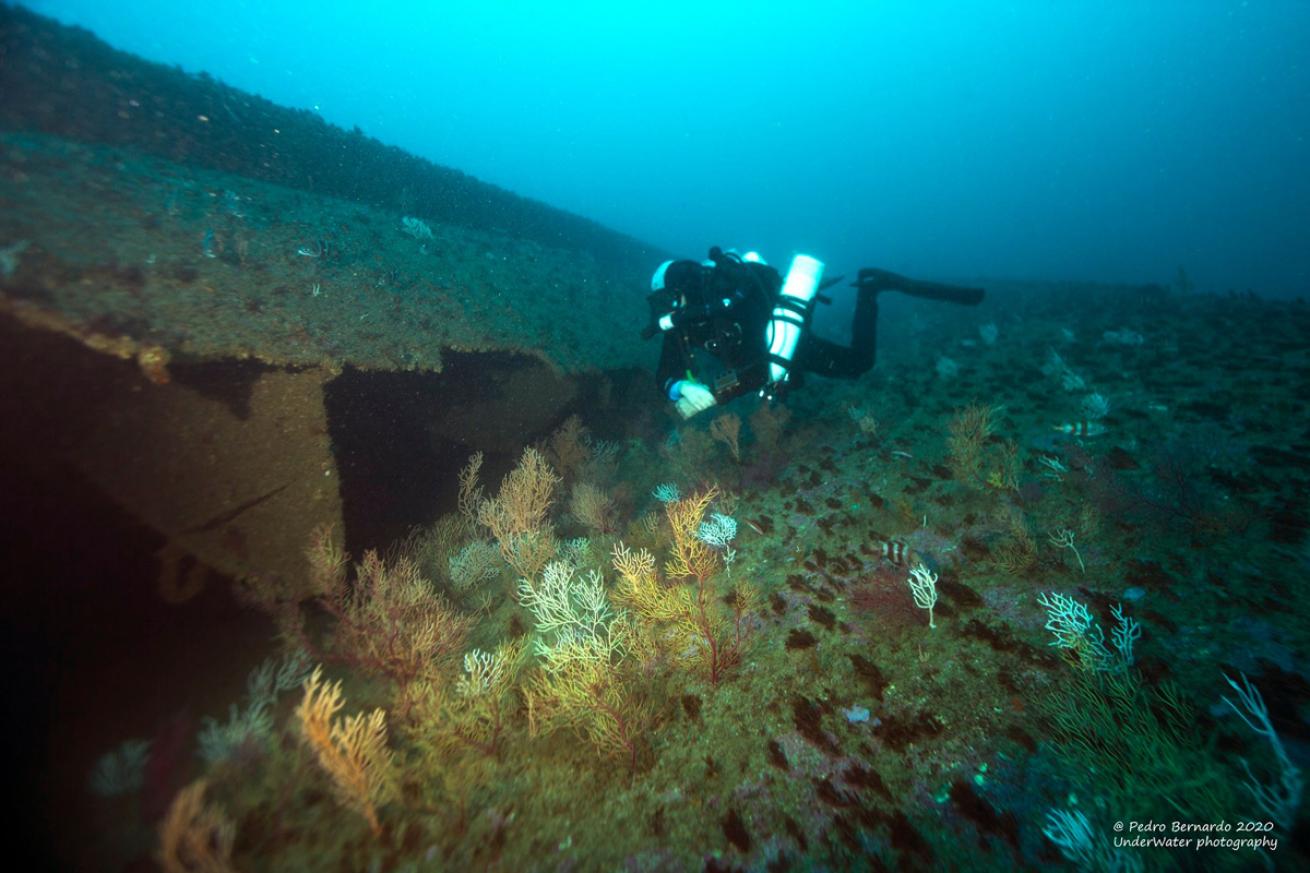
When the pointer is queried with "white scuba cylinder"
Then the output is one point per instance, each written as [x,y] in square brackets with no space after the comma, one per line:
[784,331]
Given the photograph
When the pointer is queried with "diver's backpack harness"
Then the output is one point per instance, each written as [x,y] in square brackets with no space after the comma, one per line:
[693,304]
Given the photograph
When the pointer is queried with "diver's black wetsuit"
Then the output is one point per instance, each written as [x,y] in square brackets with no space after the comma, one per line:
[728,349]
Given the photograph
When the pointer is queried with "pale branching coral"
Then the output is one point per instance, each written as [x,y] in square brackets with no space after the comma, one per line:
[666,492]
[573,614]
[416,227]
[475,563]
[276,676]
[584,684]
[1074,629]
[122,770]
[923,587]
[251,729]
[245,729]
[472,714]
[1279,801]
[9,258]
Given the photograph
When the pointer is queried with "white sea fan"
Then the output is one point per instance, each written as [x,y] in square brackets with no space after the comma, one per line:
[122,770]
[483,671]
[577,551]
[475,562]
[1095,406]
[274,677]
[9,258]
[416,227]
[1071,381]
[1125,337]
[665,492]
[718,531]
[1056,367]
[252,728]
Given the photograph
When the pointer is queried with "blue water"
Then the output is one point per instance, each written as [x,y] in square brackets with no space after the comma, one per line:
[1091,140]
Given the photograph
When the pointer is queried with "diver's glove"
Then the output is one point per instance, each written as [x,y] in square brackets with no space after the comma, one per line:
[691,397]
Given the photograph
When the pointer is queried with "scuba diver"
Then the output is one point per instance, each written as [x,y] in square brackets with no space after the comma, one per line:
[754,325]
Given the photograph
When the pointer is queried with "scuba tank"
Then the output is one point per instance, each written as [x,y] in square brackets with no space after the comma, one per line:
[789,318]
